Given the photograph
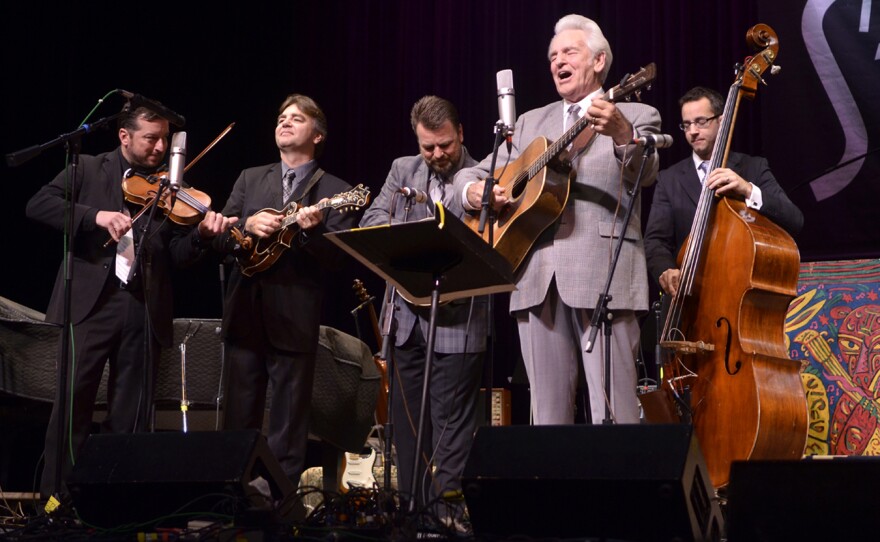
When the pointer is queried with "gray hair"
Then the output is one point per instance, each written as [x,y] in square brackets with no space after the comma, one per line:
[593,36]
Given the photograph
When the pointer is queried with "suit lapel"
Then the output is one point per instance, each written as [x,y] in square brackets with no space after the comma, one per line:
[273,181]
[690,181]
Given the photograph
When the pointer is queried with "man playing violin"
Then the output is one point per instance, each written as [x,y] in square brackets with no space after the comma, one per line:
[271,320]
[678,188]
[110,303]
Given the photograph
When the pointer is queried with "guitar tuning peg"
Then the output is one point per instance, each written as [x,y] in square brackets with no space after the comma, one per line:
[774,69]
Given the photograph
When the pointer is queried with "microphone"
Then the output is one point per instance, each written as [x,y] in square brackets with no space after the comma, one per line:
[506,101]
[418,195]
[658,141]
[178,157]
[142,101]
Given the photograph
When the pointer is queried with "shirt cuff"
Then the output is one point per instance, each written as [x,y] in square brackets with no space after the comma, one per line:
[464,200]
[756,201]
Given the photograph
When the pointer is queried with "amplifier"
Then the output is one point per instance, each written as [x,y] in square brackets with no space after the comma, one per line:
[499,407]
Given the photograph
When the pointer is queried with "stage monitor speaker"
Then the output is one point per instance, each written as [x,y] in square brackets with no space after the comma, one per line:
[141,477]
[620,482]
[811,499]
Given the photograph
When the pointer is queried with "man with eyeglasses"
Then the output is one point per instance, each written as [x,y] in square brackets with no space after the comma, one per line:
[678,188]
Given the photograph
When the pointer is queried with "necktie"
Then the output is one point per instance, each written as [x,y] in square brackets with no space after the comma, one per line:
[573,116]
[124,254]
[437,189]
[287,185]
[702,170]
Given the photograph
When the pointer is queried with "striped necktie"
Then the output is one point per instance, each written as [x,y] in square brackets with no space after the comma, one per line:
[287,185]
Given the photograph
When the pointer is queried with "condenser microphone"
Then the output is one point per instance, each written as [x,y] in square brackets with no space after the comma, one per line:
[178,160]
[506,102]
[658,141]
[142,101]
[414,193]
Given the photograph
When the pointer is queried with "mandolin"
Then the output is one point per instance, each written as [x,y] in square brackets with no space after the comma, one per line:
[255,254]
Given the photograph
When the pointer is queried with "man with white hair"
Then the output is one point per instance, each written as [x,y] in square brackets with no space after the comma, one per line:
[559,282]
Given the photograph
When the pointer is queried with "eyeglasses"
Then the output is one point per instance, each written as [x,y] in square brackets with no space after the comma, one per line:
[700,122]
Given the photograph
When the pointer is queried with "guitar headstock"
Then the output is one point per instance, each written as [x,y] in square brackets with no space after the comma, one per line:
[360,290]
[632,84]
[355,198]
[761,38]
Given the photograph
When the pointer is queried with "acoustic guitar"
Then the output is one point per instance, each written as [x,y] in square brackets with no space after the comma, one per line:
[381,364]
[538,181]
[254,254]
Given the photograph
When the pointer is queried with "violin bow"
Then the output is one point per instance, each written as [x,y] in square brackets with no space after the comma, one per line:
[209,147]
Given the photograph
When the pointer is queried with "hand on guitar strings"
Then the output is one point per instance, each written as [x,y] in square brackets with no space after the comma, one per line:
[725,182]
[309,217]
[475,195]
[263,224]
[606,119]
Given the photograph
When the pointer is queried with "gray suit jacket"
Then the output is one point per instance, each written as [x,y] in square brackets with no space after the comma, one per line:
[577,250]
[452,318]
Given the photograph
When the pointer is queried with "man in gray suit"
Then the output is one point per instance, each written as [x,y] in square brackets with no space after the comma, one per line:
[460,340]
[559,282]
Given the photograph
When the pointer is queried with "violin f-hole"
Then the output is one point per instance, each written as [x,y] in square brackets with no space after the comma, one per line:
[727,342]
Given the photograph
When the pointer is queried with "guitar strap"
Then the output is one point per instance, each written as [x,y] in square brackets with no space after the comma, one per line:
[303,189]
[581,143]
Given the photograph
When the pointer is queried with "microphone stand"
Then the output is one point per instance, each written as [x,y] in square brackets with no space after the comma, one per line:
[146,405]
[184,402]
[601,314]
[71,141]
[389,338]
[219,331]
[486,214]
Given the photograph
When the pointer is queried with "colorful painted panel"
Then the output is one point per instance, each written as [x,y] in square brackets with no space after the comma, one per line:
[833,329]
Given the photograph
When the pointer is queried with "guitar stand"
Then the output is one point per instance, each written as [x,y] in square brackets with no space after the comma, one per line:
[601,314]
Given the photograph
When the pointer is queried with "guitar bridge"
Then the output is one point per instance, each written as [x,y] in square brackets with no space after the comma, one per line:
[688,347]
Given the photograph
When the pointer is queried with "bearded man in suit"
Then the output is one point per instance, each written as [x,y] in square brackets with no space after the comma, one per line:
[460,338]
[559,282]
[271,320]
[678,188]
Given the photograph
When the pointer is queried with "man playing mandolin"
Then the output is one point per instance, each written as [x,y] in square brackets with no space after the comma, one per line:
[560,281]
[271,320]
[108,300]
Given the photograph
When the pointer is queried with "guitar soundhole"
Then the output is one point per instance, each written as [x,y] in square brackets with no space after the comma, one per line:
[518,186]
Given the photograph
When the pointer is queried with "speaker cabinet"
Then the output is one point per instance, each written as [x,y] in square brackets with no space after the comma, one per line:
[832,498]
[621,482]
[136,478]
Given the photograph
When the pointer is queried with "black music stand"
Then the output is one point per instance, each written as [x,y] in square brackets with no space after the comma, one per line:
[435,259]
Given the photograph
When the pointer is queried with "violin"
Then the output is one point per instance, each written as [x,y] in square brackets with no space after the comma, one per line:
[187,206]
[184,206]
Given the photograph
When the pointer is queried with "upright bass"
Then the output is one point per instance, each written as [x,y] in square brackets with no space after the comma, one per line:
[728,369]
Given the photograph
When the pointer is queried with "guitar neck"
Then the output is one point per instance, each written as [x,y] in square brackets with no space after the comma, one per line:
[565,140]
[291,218]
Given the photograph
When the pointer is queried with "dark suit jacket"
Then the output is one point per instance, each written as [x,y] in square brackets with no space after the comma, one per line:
[675,204]
[289,293]
[99,188]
